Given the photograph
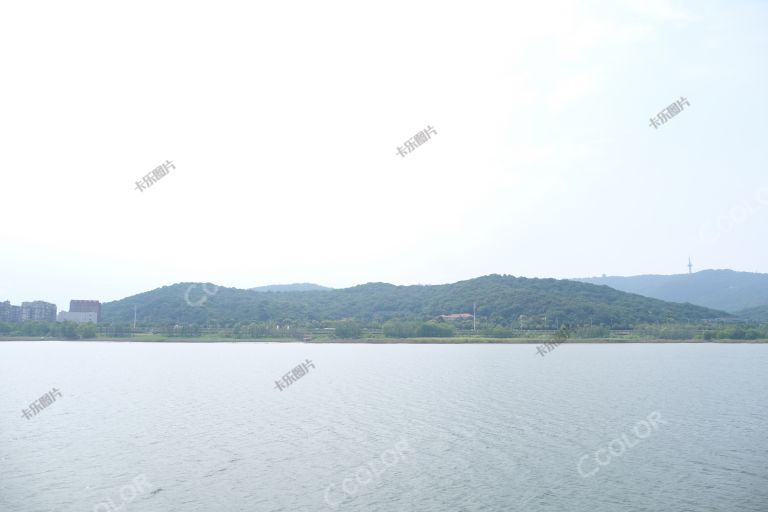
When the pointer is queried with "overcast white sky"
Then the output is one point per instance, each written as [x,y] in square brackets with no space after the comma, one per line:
[283,120]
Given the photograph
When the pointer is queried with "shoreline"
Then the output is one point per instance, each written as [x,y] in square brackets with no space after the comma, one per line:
[393,341]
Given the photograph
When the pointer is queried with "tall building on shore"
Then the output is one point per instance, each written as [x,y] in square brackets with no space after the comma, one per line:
[9,312]
[86,306]
[38,310]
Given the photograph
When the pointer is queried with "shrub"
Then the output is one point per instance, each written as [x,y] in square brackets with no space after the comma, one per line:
[434,330]
[347,329]
[398,329]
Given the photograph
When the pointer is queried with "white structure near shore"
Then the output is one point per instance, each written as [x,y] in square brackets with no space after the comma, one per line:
[78,317]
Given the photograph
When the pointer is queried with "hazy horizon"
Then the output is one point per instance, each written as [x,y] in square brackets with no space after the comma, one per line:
[543,162]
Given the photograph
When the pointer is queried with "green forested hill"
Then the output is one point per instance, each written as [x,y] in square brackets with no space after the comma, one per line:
[501,300]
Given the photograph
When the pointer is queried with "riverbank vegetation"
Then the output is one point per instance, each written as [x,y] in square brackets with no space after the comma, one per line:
[391,330]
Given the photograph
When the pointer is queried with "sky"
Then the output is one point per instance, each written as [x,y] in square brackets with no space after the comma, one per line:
[282,121]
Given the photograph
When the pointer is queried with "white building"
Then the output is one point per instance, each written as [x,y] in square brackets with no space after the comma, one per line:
[78,317]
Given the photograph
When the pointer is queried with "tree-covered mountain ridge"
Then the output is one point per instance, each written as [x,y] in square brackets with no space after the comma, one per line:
[501,300]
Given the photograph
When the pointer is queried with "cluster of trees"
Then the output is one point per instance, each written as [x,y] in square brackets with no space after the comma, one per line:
[582,332]
[406,329]
[118,330]
[63,330]
[348,330]
[693,332]
[502,301]
[737,332]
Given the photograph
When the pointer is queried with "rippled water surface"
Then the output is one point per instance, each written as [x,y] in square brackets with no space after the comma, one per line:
[202,427]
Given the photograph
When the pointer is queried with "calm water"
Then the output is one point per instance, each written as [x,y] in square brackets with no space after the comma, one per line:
[202,427]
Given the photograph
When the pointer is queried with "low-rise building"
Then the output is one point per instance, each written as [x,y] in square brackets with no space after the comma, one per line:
[79,317]
[86,306]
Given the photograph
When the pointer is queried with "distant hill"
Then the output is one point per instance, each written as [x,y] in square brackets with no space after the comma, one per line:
[758,314]
[501,300]
[296,287]
[726,290]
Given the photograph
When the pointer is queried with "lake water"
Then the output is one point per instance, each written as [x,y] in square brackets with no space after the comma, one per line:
[433,428]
